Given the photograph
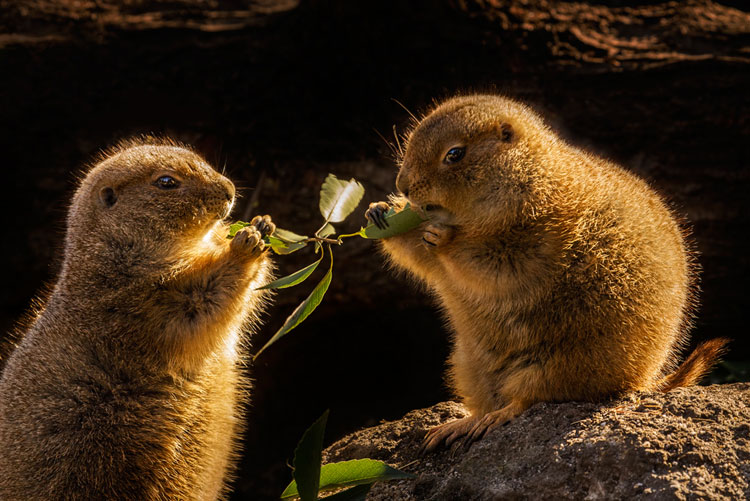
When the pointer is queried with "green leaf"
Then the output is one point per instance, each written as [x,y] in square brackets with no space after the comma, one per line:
[398,222]
[288,236]
[358,493]
[281,247]
[285,241]
[293,279]
[327,231]
[307,457]
[235,227]
[348,473]
[339,198]
[304,309]
[358,472]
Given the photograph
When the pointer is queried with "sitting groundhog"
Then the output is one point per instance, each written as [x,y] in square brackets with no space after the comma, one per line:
[563,276]
[127,383]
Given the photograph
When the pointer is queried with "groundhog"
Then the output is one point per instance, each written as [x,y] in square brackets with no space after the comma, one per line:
[562,275]
[127,383]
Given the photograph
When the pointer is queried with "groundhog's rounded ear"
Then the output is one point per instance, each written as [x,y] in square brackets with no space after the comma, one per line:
[506,132]
[107,196]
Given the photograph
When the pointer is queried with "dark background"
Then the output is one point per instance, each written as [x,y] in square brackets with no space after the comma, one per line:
[283,92]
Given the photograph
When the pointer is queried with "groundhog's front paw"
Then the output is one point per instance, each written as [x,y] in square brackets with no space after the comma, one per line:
[248,242]
[264,225]
[376,214]
[436,234]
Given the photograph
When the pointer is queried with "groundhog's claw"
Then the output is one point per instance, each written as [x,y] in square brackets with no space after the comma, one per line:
[376,214]
[264,225]
[487,423]
[248,241]
[468,430]
[493,420]
[447,433]
[437,234]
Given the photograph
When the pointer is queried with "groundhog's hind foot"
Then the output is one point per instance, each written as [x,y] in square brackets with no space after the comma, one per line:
[493,420]
[447,433]
[376,214]
[468,430]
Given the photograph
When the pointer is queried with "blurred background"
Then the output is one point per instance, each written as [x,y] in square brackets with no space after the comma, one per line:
[283,92]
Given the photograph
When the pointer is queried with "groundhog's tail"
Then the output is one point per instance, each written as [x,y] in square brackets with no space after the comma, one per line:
[697,365]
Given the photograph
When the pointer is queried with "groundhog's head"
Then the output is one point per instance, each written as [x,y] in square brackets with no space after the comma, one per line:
[475,159]
[156,197]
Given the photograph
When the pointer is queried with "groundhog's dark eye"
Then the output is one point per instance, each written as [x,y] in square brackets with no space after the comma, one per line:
[454,155]
[166,182]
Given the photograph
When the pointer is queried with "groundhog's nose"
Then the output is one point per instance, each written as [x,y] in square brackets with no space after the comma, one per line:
[402,184]
[228,188]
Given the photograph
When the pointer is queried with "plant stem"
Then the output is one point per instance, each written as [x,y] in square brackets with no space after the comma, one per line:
[322,239]
[325,223]
[359,233]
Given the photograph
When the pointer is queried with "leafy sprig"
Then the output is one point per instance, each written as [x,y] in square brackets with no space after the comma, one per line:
[338,199]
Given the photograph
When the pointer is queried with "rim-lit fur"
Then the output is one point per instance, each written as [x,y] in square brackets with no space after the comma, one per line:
[127,382]
[562,275]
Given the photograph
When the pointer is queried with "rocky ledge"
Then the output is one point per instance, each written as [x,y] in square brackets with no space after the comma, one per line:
[691,443]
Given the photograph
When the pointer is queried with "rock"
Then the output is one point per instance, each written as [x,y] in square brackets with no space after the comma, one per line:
[691,443]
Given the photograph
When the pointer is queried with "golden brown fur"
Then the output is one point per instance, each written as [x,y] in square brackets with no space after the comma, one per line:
[563,276]
[127,383]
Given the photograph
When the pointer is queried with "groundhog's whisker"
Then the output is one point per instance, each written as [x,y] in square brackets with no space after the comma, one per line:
[398,143]
[390,145]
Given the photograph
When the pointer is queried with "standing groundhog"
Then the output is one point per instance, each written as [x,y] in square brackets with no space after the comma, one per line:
[563,276]
[126,385]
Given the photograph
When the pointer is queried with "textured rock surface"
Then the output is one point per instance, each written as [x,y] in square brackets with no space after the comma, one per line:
[693,443]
